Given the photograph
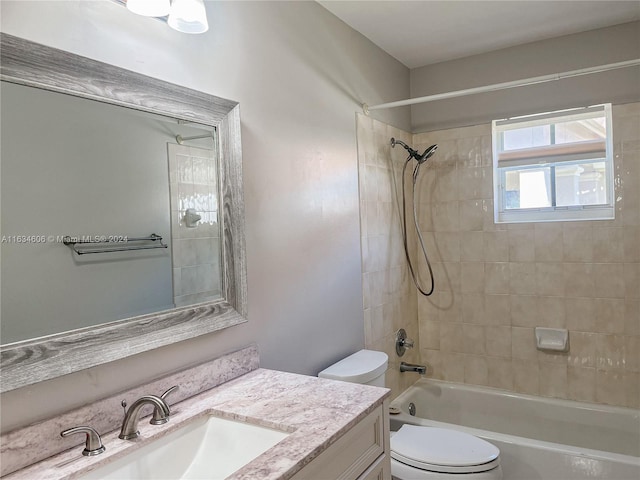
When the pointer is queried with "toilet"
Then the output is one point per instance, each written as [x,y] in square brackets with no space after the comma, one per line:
[366,367]
[419,452]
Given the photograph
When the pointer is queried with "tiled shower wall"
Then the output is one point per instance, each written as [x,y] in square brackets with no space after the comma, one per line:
[495,283]
[389,297]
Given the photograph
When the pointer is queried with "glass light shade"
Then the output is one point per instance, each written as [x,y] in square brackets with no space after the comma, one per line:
[188,16]
[149,8]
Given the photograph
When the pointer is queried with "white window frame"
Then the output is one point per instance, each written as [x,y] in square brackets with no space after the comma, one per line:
[554,213]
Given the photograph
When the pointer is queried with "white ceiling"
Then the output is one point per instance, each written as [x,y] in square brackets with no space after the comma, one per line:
[419,33]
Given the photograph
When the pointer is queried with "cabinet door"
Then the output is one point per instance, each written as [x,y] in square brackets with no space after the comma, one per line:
[380,470]
[354,453]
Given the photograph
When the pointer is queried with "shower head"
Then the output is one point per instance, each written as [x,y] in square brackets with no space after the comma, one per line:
[427,153]
[413,153]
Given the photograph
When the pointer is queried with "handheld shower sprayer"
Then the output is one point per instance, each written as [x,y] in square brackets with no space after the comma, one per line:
[420,157]
[427,153]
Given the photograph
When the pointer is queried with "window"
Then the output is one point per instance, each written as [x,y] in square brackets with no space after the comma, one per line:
[554,166]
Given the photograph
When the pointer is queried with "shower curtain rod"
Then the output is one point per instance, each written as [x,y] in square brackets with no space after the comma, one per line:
[503,86]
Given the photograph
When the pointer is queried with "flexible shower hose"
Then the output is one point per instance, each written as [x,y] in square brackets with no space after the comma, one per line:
[414,178]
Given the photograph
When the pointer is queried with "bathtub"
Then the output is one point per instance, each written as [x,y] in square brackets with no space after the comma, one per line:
[538,438]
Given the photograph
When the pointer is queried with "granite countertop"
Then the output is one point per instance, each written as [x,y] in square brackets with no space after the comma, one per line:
[315,411]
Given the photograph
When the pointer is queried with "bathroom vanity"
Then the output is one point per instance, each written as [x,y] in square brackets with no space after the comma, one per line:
[329,429]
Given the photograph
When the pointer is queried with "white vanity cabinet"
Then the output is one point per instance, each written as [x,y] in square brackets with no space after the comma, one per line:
[360,454]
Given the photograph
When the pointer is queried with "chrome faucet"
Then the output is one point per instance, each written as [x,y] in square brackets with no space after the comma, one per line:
[158,418]
[410,367]
[129,428]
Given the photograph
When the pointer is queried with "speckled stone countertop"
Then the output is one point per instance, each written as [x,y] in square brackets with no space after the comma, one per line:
[316,411]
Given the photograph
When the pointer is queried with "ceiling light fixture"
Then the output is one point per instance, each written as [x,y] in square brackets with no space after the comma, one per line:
[188,16]
[149,8]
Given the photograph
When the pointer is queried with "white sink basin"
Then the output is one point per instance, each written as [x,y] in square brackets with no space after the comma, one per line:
[206,448]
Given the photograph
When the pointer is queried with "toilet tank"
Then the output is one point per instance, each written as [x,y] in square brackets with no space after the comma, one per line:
[365,367]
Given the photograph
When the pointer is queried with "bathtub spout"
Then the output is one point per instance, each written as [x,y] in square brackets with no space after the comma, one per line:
[410,367]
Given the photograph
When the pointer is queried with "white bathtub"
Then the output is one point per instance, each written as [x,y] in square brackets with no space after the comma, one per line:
[538,438]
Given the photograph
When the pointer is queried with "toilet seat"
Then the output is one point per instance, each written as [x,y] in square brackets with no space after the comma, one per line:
[443,451]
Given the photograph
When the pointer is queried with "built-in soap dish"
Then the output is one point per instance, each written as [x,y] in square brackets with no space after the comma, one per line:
[555,339]
[191,218]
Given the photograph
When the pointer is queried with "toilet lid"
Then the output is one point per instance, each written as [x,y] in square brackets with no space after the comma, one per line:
[443,450]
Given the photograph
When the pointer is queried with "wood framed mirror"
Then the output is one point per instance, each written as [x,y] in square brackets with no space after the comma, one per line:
[32,360]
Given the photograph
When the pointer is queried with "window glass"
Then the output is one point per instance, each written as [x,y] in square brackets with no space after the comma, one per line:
[579,131]
[528,188]
[527,137]
[581,184]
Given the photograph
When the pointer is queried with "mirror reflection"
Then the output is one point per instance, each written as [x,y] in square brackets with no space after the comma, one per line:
[102,173]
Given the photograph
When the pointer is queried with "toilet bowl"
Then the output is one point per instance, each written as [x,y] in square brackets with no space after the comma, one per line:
[419,452]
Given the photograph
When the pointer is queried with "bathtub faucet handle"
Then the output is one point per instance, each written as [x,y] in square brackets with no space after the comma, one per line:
[402,342]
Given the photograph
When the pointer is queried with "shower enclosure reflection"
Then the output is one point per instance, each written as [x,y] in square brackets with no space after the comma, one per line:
[76,167]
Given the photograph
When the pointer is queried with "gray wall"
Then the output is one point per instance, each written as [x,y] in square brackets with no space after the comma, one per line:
[570,52]
[300,75]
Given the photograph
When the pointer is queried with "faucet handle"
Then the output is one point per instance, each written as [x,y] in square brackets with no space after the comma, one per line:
[93,443]
[157,418]
[170,391]
[402,342]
